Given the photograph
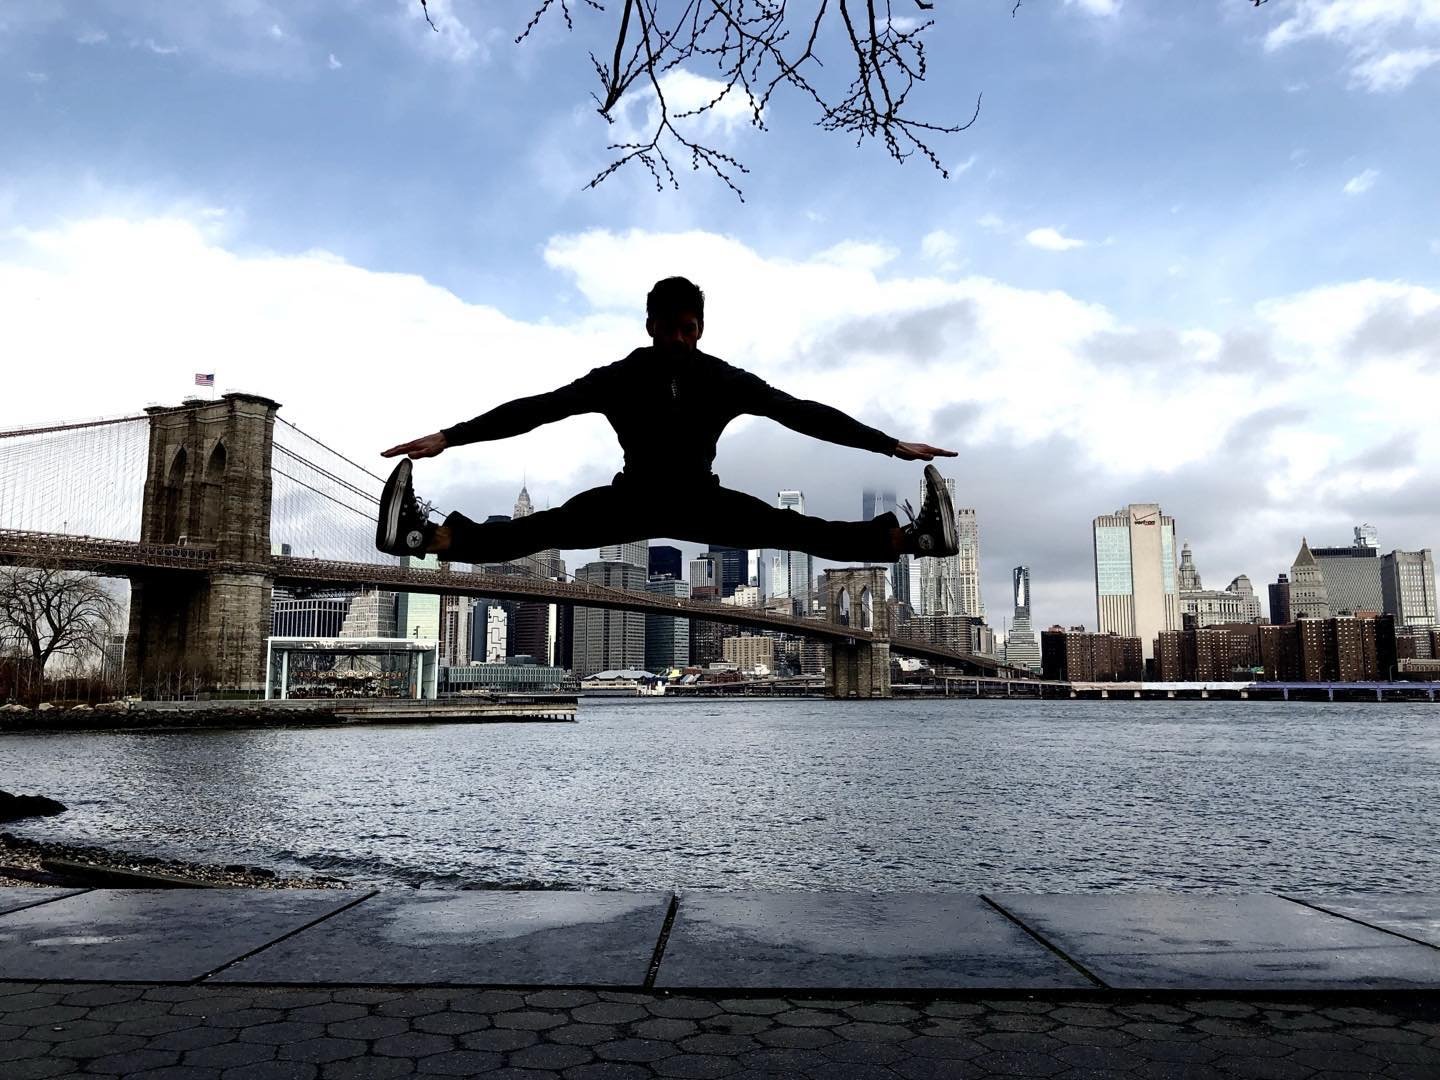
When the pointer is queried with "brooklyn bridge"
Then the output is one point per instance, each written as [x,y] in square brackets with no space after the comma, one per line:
[191,504]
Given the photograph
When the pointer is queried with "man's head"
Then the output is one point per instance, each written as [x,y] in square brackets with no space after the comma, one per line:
[675,313]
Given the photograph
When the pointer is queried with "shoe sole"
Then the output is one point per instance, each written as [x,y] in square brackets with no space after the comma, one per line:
[947,510]
[387,530]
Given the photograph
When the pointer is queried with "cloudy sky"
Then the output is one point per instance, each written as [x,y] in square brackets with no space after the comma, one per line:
[1188,253]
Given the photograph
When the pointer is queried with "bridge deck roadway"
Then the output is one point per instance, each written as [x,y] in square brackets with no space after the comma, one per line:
[241,983]
[126,557]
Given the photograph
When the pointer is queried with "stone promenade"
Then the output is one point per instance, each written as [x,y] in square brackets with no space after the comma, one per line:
[240,984]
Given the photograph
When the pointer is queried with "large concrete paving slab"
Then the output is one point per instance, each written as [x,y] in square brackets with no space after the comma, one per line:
[853,941]
[1185,942]
[13,898]
[153,935]
[1414,915]
[473,938]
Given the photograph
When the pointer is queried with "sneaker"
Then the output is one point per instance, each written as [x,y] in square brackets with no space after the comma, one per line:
[931,532]
[404,527]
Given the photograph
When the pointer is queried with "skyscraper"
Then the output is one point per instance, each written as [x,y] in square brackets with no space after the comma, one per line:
[1408,581]
[635,553]
[873,503]
[665,561]
[609,639]
[951,586]
[1280,600]
[1021,648]
[455,630]
[417,615]
[791,573]
[1309,598]
[1136,592]
[667,639]
[734,567]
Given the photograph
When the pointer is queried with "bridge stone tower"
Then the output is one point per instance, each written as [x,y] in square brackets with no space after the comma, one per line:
[855,596]
[207,485]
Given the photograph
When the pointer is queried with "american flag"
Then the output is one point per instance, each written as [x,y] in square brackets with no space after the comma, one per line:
[204,380]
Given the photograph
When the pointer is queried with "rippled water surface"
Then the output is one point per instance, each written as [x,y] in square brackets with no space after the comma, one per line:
[942,795]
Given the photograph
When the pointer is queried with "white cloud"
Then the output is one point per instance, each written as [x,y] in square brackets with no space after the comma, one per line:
[1362,182]
[991,222]
[129,309]
[451,36]
[161,50]
[1393,71]
[92,37]
[940,247]
[1052,239]
[1389,42]
[276,33]
[333,63]
[1096,7]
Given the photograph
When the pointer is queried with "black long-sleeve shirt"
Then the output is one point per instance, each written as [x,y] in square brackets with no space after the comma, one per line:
[668,410]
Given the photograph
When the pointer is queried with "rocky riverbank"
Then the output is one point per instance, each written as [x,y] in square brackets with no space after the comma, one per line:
[26,862]
[310,712]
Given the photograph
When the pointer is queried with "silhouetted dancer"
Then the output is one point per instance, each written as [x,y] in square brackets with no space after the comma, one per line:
[668,405]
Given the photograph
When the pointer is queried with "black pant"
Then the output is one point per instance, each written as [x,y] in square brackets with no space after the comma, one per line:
[703,512]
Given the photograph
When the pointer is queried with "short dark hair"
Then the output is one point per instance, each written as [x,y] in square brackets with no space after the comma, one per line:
[674,296]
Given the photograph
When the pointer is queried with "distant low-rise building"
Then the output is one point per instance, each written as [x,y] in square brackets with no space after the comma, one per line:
[1077,656]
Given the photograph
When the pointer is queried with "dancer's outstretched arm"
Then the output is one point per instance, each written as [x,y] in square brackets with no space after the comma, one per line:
[826,422]
[516,417]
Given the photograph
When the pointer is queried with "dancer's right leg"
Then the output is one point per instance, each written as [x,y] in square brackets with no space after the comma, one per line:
[602,515]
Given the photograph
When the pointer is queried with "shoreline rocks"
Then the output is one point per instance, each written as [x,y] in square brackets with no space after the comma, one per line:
[25,862]
[15,807]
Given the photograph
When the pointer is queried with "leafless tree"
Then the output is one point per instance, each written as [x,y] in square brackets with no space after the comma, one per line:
[751,49]
[53,614]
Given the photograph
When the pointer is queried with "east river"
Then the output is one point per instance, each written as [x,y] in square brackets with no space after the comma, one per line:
[779,794]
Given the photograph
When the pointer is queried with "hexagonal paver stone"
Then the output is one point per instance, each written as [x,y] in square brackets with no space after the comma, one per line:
[367,1068]
[273,1070]
[609,1070]
[663,1027]
[696,1066]
[451,1023]
[583,1034]
[459,1063]
[498,1040]
[881,1012]
[550,1056]
[169,935]
[329,1012]
[496,938]
[609,1012]
[813,1018]
[283,1031]
[229,1055]
[413,1044]
[870,941]
[321,1050]
[635,1050]
[368,1027]
[40,1069]
[1194,942]
[560,999]
[530,1020]
[799,1038]
[687,1008]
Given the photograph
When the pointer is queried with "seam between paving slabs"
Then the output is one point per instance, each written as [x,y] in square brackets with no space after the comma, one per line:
[1048,944]
[662,941]
[284,937]
[47,900]
[1358,922]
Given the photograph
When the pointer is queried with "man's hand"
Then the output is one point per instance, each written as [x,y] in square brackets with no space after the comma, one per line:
[429,446]
[919,451]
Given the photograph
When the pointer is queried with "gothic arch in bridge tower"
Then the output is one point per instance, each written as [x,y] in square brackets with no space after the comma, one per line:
[867,609]
[212,489]
[842,607]
[173,520]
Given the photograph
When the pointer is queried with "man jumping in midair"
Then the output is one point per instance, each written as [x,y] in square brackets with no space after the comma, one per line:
[668,405]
